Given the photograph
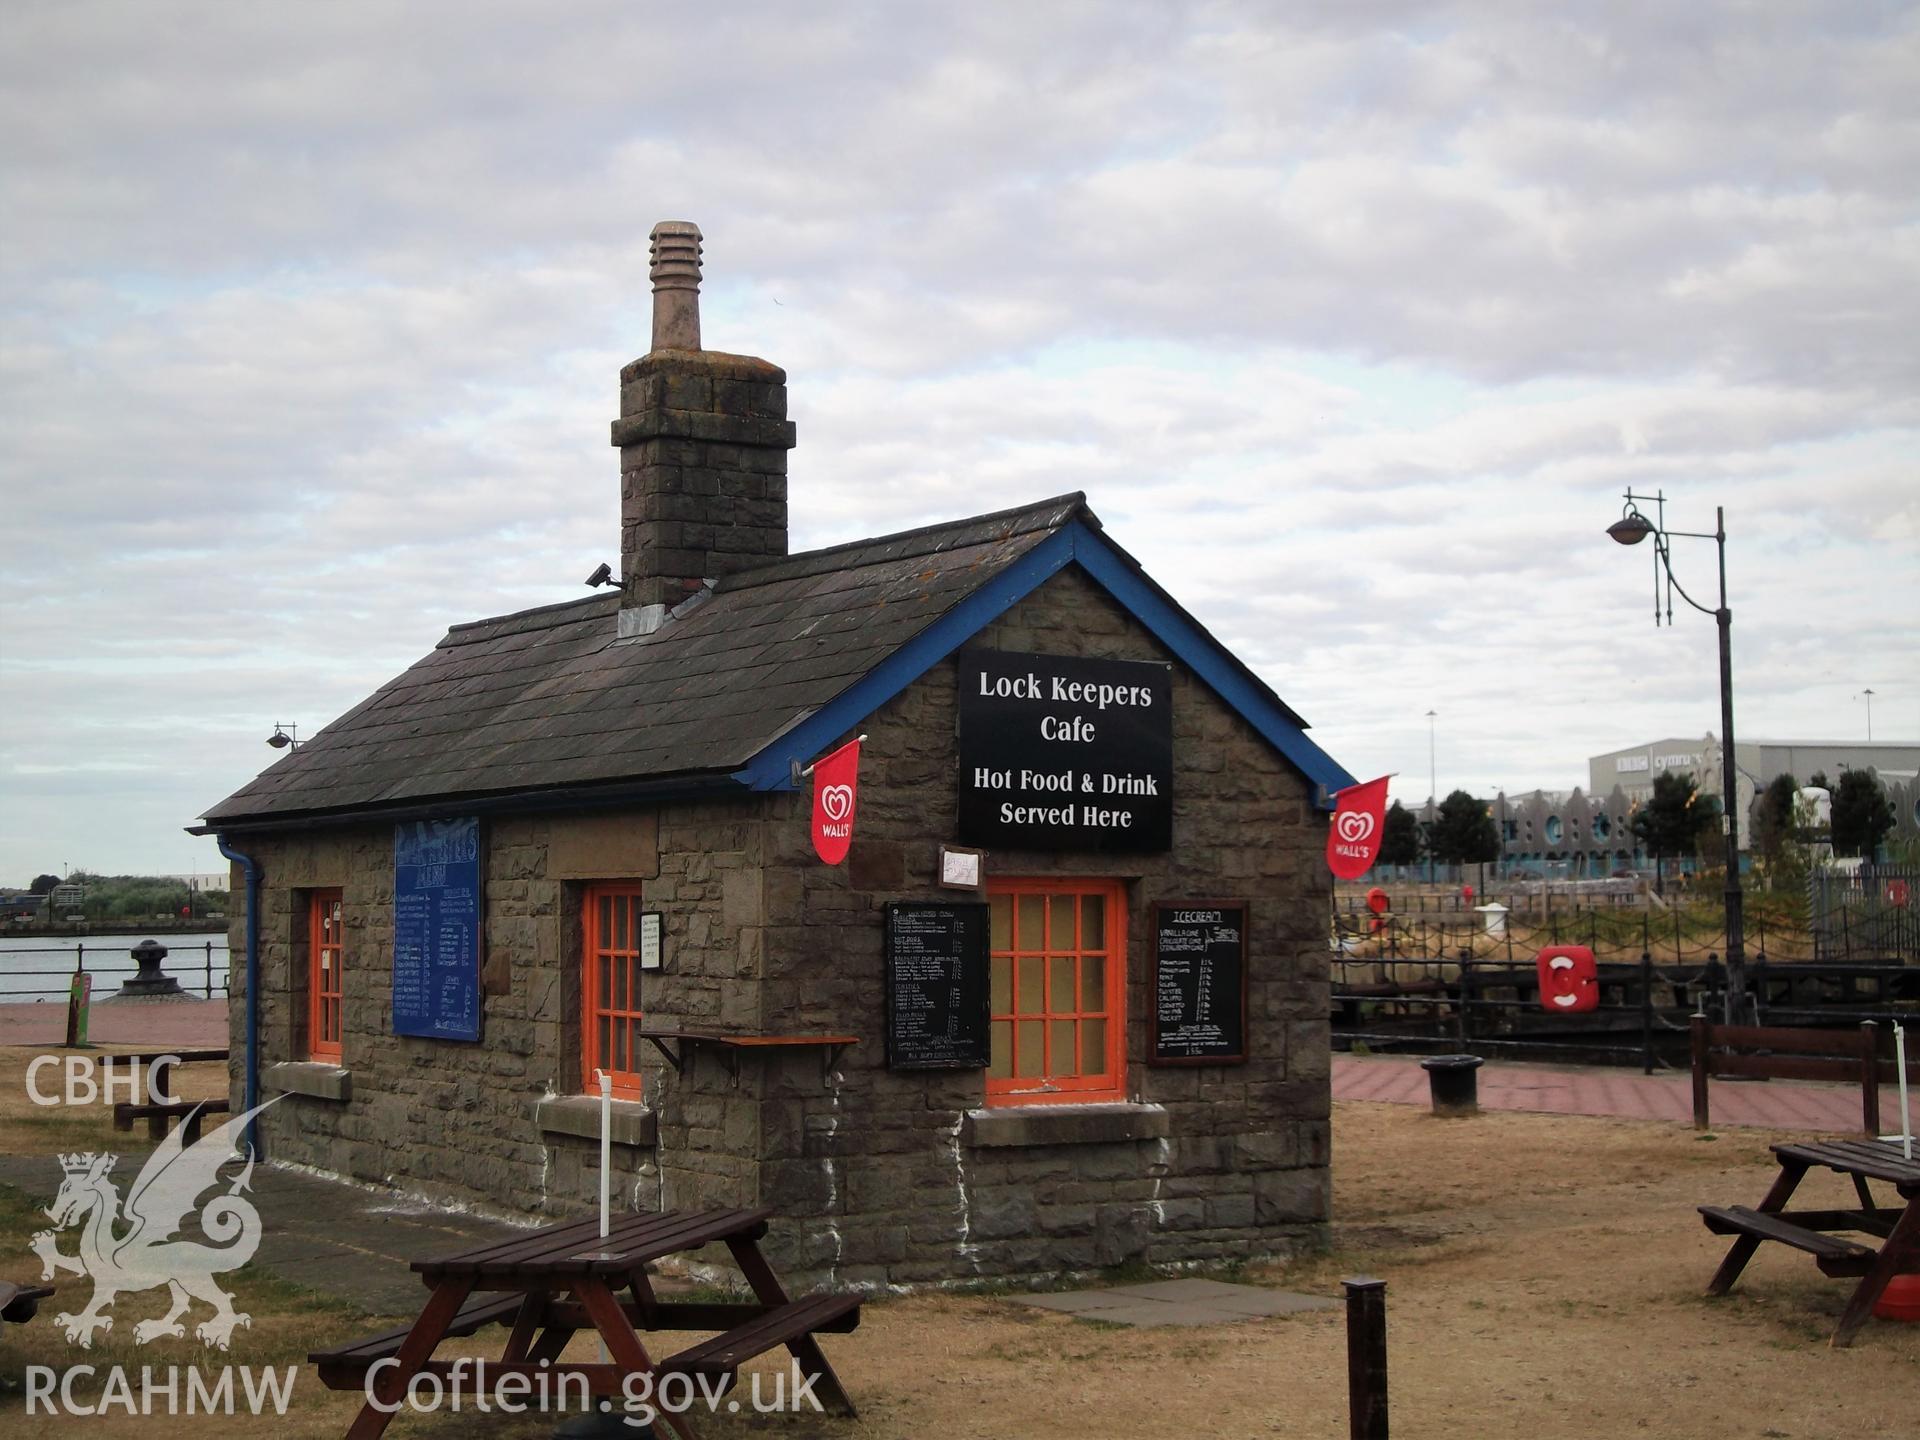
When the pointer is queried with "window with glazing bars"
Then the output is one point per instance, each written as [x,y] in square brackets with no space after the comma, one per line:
[1058,991]
[326,957]
[610,988]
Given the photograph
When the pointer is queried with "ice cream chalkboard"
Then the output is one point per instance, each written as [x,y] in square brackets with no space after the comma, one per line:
[1200,983]
[936,986]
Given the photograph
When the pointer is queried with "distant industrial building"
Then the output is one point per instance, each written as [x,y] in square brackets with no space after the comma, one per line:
[1756,763]
[22,905]
[1587,833]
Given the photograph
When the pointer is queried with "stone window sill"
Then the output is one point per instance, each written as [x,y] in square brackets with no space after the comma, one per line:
[579,1116]
[314,1079]
[1018,1125]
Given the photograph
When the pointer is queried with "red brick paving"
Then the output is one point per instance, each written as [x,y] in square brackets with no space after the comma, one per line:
[1389,1079]
[1551,1090]
[185,1024]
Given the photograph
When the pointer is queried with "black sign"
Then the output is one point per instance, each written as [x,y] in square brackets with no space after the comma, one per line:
[937,986]
[436,929]
[1200,983]
[1062,753]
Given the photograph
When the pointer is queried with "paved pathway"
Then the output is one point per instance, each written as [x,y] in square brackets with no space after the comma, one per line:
[188,1024]
[338,1239]
[1575,1090]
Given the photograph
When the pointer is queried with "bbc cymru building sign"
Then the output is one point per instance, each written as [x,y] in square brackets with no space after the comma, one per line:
[1630,764]
[1063,753]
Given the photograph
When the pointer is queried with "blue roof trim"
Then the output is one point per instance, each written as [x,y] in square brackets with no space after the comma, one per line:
[1074,543]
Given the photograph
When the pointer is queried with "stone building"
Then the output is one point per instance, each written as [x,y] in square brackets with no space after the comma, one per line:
[575,840]
[1756,763]
[1562,834]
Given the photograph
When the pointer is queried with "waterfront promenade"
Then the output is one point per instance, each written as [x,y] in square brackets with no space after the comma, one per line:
[1384,1079]
[150,1024]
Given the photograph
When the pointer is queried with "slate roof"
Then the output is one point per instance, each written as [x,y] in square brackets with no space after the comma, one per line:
[549,700]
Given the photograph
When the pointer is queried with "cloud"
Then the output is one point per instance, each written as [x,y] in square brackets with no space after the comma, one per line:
[1353,321]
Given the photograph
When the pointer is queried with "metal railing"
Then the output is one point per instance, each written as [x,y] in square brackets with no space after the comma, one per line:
[1676,937]
[1479,1005]
[193,966]
[1875,909]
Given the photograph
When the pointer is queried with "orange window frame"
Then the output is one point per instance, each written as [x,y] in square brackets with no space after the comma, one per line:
[610,1008]
[1076,976]
[326,959]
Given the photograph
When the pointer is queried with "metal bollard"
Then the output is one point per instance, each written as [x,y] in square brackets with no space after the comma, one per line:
[1454,1084]
[1366,1358]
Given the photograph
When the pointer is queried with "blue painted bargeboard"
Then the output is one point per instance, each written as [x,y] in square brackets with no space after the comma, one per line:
[436,929]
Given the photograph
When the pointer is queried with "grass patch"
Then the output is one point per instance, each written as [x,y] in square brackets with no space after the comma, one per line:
[287,1320]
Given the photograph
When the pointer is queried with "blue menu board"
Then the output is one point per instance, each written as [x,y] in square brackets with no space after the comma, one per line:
[436,929]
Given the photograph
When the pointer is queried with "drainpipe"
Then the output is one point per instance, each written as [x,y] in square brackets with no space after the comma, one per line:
[253,988]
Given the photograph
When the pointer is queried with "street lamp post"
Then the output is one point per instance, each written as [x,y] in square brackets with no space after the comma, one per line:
[1433,797]
[1868,694]
[1630,529]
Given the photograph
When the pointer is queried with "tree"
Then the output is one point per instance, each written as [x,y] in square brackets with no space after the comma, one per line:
[1464,833]
[1399,837]
[43,884]
[1861,814]
[1773,817]
[1672,819]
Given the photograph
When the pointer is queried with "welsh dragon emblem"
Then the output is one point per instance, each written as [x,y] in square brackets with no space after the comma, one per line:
[133,1247]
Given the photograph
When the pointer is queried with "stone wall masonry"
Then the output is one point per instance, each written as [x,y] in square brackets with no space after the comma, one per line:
[703,440]
[880,1177]
[446,1119]
[883,1158]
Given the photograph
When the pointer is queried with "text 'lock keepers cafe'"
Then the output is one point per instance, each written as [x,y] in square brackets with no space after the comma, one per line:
[954,892]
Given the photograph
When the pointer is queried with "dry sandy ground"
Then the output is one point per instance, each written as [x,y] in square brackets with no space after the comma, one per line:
[1545,1278]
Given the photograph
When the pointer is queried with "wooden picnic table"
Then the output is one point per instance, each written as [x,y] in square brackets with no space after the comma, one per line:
[551,1283]
[20,1303]
[1897,1226]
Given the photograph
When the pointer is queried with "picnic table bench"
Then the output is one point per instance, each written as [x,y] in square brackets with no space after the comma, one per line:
[553,1283]
[1897,1226]
[19,1303]
[158,1064]
[1768,1052]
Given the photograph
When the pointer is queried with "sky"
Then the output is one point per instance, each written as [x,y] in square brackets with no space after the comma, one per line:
[1354,322]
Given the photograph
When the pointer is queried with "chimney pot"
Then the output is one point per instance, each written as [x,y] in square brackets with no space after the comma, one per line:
[703,440]
[676,285]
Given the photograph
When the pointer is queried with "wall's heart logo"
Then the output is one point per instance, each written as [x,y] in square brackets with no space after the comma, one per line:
[837,801]
[1355,826]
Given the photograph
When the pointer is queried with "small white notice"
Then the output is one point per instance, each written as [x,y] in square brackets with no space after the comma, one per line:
[650,926]
[960,868]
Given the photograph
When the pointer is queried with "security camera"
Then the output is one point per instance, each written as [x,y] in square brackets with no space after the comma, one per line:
[603,575]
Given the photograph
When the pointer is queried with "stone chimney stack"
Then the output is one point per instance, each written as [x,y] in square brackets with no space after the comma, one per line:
[703,440]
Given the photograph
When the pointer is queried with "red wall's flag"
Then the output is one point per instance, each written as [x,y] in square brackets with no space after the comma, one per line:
[836,782]
[1353,839]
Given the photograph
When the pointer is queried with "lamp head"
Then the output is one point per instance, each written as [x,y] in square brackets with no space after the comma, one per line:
[1631,528]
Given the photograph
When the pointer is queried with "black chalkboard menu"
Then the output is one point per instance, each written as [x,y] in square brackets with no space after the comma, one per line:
[437,917]
[937,986]
[1199,983]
